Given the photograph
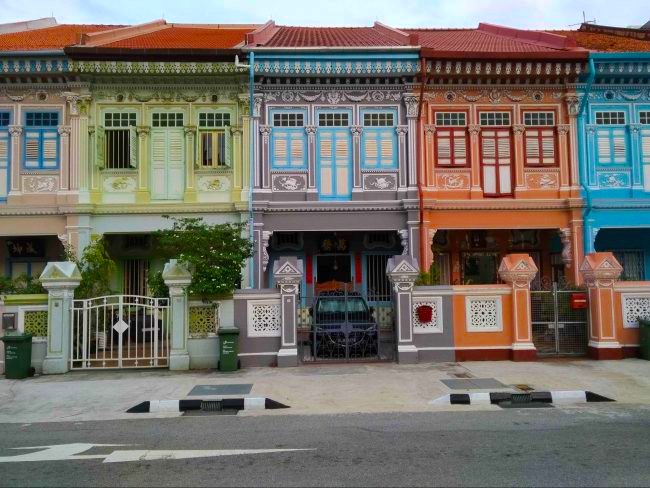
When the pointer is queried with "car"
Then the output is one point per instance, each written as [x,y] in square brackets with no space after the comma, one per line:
[343,326]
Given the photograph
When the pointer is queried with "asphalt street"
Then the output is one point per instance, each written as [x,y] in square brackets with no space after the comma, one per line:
[600,445]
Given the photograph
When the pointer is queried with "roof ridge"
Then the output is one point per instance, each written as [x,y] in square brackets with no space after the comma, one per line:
[544,38]
[397,35]
[119,34]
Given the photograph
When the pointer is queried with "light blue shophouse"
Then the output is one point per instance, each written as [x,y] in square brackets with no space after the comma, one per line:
[614,154]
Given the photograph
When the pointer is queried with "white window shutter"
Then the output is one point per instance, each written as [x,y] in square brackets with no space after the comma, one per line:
[444,148]
[460,147]
[532,147]
[603,147]
[100,147]
[50,149]
[489,146]
[32,148]
[176,146]
[503,146]
[548,147]
[228,146]
[645,146]
[133,148]
[619,146]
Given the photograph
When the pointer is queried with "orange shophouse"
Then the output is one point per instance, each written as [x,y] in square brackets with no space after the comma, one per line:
[497,146]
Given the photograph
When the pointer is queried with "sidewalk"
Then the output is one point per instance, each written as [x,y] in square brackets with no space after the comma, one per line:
[323,389]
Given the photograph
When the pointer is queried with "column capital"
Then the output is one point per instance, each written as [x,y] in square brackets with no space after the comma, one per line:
[600,270]
[311,129]
[563,129]
[142,130]
[78,102]
[401,130]
[573,104]
[518,129]
[64,130]
[244,102]
[411,101]
[15,130]
[356,130]
[474,129]
[190,130]
[257,105]
[265,130]
[429,129]
[635,128]
[518,270]
[236,130]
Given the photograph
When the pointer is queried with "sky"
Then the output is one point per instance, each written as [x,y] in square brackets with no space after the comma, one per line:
[529,14]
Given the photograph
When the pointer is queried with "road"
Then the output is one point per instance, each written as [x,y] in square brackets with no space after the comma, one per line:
[603,445]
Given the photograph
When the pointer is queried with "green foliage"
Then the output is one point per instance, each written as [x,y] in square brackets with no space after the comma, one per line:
[96,267]
[432,276]
[22,285]
[215,254]
[157,286]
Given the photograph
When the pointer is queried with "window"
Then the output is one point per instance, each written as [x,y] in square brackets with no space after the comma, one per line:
[495,118]
[379,140]
[496,162]
[610,118]
[288,141]
[31,269]
[4,119]
[451,118]
[120,140]
[4,155]
[41,145]
[167,119]
[611,146]
[539,141]
[333,119]
[633,265]
[539,119]
[214,139]
[644,118]
[134,277]
[378,287]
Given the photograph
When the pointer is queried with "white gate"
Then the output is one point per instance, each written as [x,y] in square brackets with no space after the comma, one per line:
[120,331]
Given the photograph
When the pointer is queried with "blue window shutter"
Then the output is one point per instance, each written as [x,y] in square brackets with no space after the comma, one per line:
[4,164]
[297,149]
[49,149]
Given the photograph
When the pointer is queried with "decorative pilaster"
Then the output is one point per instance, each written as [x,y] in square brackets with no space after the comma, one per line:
[563,155]
[76,176]
[428,165]
[266,238]
[567,254]
[65,157]
[403,157]
[60,279]
[310,130]
[518,131]
[635,153]
[190,157]
[411,101]
[178,279]
[404,241]
[265,130]
[601,271]
[288,273]
[573,109]
[15,131]
[143,132]
[403,271]
[356,131]
[476,191]
[518,270]
[237,149]
[255,121]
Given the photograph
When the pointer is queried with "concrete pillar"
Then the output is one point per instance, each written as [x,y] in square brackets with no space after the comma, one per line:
[356,131]
[474,130]
[403,271]
[16,132]
[564,156]
[178,279]
[411,102]
[601,271]
[518,161]
[67,174]
[142,194]
[190,158]
[518,270]
[60,279]
[288,273]
[265,131]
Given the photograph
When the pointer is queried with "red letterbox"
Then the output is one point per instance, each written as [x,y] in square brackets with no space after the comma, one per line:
[425,314]
[578,301]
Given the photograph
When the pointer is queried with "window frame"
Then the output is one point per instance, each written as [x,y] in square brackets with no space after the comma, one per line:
[214,130]
[282,129]
[4,130]
[451,128]
[127,128]
[41,130]
[552,127]
[486,112]
[379,129]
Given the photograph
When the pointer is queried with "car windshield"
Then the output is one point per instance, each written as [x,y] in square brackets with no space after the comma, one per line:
[340,304]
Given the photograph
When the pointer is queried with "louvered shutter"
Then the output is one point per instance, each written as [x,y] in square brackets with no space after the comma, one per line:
[50,142]
[532,146]
[100,147]
[342,166]
[158,163]
[548,146]
[280,149]
[4,164]
[32,148]
[371,149]
[460,147]
[227,146]
[444,143]
[645,157]
[297,156]
[326,164]
[387,143]
[133,148]
[175,163]
[618,143]
[504,162]
[604,147]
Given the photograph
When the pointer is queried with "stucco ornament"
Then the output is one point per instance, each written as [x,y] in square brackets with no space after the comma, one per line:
[450,181]
[402,271]
[567,253]
[119,184]
[266,237]
[411,102]
[214,183]
[39,184]
[600,269]
[518,269]
[288,182]
[379,182]
[537,181]
[332,96]
[613,180]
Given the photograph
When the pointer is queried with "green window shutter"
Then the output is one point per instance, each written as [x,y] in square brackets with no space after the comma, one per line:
[32,148]
[133,147]
[100,148]
[228,146]
[4,163]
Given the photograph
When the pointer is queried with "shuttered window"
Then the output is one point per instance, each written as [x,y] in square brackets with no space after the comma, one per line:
[215,140]
[539,138]
[4,155]
[379,140]
[451,141]
[41,143]
[167,156]
[288,141]
[119,141]
[645,157]
[496,160]
[611,146]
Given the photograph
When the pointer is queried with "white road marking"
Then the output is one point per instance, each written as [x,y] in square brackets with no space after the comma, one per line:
[71,452]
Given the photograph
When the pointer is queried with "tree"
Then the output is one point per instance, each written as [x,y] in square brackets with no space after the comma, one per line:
[96,267]
[215,254]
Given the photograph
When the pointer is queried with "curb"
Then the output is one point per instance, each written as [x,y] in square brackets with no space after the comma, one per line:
[535,397]
[153,406]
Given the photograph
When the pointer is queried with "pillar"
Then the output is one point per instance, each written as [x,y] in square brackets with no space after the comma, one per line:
[518,131]
[190,157]
[403,158]
[476,190]
[518,270]
[312,192]
[237,164]
[403,271]
[15,131]
[60,279]
[288,273]
[265,130]
[411,101]
[142,194]
[178,279]
[68,159]
[357,182]
[601,271]
[564,156]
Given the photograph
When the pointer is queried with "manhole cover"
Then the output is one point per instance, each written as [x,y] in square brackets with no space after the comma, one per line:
[219,390]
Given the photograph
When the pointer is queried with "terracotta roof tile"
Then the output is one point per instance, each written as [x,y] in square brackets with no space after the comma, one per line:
[329,37]
[56,37]
[606,42]
[184,37]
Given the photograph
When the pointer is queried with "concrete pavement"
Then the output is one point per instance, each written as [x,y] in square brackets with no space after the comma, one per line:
[324,389]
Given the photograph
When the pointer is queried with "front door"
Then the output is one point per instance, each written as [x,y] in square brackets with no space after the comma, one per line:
[333,270]
[167,156]
[334,156]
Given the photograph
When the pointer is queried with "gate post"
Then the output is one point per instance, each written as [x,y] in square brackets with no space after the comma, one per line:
[600,271]
[60,279]
[178,279]
[519,270]
[402,272]
[288,273]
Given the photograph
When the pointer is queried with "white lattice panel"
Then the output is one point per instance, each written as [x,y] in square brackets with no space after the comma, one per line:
[433,327]
[264,318]
[635,307]
[483,314]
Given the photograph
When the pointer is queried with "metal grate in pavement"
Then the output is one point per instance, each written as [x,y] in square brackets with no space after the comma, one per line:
[213,390]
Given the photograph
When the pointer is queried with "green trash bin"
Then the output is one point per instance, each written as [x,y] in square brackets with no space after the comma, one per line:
[228,349]
[18,356]
[644,338]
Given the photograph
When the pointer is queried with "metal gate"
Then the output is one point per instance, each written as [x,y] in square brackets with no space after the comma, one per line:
[558,327]
[120,331]
[339,325]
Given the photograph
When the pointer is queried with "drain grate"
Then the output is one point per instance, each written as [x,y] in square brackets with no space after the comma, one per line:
[518,398]
[211,406]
